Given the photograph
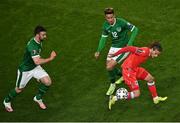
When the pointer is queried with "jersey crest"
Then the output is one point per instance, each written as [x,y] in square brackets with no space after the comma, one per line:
[118,29]
[140,51]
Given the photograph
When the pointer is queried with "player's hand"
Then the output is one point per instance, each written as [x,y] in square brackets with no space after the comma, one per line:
[96,55]
[53,55]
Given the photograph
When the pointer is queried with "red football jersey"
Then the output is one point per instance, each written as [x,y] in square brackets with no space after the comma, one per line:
[136,57]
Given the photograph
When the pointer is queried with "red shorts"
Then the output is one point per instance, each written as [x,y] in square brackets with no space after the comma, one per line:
[131,76]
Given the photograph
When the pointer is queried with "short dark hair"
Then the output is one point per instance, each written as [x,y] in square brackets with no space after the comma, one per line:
[39,29]
[156,46]
[108,11]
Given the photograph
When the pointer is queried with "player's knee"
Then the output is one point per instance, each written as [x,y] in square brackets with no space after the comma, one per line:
[46,80]
[151,79]
[18,90]
[109,67]
[49,82]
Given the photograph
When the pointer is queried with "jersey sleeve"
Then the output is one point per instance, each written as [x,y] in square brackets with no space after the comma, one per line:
[136,50]
[127,25]
[34,51]
[105,32]
[131,49]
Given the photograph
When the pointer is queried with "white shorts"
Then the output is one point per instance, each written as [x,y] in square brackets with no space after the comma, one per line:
[24,77]
[118,58]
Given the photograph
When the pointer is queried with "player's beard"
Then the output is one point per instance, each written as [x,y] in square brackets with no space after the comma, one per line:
[42,39]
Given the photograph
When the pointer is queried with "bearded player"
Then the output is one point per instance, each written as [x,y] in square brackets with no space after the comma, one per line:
[31,68]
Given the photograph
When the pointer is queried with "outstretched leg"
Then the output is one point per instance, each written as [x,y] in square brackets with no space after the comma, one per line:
[152,88]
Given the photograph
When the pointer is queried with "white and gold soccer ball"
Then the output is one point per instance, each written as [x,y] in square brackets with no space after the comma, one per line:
[122,93]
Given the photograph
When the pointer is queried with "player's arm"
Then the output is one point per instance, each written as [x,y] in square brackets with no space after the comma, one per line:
[102,42]
[101,45]
[131,49]
[134,31]
[38,60]
[36,55]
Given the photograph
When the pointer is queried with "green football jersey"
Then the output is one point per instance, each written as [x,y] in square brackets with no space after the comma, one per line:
[118,31]
[33,49]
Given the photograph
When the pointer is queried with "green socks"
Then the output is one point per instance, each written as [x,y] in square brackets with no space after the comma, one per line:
[113,73]
[112,76]
[42,90]
[117,71]
[12,94]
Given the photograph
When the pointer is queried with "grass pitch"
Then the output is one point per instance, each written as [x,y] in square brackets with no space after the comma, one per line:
[79,81]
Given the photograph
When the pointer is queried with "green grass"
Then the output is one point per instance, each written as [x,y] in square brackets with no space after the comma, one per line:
[79,81]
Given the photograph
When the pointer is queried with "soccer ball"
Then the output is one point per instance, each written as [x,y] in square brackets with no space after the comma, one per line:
[122,93]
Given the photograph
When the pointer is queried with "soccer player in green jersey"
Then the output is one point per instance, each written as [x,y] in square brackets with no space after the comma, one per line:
[30,67]
[118,28]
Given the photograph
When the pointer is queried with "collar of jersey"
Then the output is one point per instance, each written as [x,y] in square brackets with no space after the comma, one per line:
[36,41]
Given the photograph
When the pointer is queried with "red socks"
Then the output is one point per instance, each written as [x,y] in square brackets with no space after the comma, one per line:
[152,89]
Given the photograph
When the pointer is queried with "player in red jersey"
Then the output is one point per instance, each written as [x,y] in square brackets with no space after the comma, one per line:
[132,72]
